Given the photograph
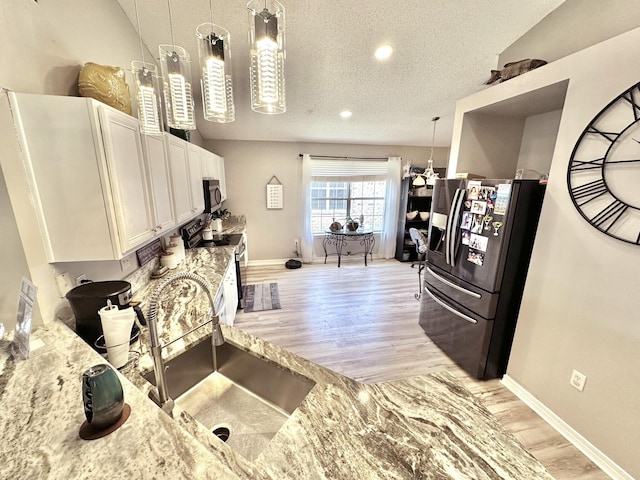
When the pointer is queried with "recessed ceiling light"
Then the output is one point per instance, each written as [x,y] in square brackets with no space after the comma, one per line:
[345,114]
[383,52]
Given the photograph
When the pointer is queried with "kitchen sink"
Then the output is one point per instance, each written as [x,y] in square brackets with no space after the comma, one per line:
[244,402]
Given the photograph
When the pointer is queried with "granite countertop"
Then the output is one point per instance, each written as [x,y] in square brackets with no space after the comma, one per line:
[422,427]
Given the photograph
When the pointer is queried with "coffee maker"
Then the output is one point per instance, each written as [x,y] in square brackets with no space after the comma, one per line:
[88,298]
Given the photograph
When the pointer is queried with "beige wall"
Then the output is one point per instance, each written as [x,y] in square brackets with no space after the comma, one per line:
[538,142]
[250,165]
[45,44]
[579,309]
[12,259]
[574,26]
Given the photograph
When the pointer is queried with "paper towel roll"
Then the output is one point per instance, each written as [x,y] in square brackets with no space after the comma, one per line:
[116,326]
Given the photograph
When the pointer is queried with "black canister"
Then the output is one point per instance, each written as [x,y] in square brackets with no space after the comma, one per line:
[88,298]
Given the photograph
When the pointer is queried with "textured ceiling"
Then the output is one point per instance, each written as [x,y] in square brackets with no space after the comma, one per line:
[443,51]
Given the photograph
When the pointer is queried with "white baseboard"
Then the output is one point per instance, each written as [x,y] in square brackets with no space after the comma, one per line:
[607,465]
[281,261]
[271,261]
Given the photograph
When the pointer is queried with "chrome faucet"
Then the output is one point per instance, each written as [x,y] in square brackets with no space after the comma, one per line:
[154,340]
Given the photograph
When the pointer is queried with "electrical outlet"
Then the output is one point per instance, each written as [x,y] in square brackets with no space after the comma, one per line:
[64,283]
[125,263]
[578,380]
[80,278]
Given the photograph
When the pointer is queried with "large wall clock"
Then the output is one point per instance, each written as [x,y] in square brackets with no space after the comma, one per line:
[604,171]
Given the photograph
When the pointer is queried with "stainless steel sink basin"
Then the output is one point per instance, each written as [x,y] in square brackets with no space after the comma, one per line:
[248,395]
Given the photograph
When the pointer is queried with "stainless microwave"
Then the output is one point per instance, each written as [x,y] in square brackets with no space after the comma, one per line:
[212,194]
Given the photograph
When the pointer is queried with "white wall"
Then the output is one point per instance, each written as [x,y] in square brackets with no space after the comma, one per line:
[574,26]
[250,165]
[580,305]
[13,261]
[538,143]
[45,44]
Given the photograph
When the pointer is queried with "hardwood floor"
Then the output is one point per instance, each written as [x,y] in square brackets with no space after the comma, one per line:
[363,323]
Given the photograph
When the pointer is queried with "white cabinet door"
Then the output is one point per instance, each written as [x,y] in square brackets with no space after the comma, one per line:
[127,178]
[178,162]
[155,149]
[195,179]
[219,162]
[209,166]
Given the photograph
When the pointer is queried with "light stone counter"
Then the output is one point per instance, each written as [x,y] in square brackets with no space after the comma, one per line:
[426,427]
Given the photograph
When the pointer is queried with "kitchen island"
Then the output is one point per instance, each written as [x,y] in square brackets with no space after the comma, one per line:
[422,427]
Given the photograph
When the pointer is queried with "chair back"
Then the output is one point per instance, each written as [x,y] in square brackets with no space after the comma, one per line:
[419,239]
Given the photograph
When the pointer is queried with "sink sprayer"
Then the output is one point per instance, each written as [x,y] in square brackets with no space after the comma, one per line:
[154,340]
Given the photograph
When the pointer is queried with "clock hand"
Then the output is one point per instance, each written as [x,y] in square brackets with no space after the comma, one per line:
[636,140]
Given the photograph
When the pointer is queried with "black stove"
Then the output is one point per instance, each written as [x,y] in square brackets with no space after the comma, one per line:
[192,235]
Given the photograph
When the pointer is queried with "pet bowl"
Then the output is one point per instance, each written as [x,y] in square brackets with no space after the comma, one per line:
[424,216]
[412,215]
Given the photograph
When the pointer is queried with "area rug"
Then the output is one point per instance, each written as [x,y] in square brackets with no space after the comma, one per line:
[261,296]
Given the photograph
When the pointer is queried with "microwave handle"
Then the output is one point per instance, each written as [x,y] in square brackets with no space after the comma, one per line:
[218,195]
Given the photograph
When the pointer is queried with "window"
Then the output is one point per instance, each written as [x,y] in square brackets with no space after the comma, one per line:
[341,197]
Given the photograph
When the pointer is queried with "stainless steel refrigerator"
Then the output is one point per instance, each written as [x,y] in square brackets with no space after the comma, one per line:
[480,239]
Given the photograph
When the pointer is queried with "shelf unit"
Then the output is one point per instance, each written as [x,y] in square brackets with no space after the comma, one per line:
[413,199]
[408,203]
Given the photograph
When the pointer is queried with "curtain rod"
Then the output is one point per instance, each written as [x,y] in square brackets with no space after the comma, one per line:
[347,158]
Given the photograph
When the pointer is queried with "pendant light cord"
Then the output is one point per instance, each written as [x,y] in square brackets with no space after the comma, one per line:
[433,137]
[173,42]
[211,11]
[135,4]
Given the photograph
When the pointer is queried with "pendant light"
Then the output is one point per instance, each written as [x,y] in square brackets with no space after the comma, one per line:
[266,40]
[429,176]
[214,52]
[175,64]
[145,76]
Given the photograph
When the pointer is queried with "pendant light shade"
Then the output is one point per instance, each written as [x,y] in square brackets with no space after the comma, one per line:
[175,64]
[145,76]
[214,52]
[266,39]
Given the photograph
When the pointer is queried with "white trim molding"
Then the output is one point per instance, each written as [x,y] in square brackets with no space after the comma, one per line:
[607,465]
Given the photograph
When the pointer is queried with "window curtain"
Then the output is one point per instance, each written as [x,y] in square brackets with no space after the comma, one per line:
[392,202]
[306,242]
[391,205]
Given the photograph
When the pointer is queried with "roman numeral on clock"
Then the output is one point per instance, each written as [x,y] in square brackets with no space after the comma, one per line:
[609,215]
[578,165]
[589,191]
[610,136]
[630,97]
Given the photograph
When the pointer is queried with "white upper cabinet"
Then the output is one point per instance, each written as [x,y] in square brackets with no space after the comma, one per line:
[155,148]
[195,179]
[87,176]
[213,167]
[129,185]
[219,163]
[180,180]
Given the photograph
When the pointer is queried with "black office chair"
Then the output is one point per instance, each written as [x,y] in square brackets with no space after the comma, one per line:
[421,249]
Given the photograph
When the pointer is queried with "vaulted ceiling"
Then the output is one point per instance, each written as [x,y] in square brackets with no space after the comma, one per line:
[443,51]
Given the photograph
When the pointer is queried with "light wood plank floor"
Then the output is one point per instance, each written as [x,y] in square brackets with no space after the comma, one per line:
[363,323]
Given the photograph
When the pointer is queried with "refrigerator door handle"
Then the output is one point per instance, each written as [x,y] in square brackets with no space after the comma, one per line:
[451,309]
[452,226]
[453,285]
